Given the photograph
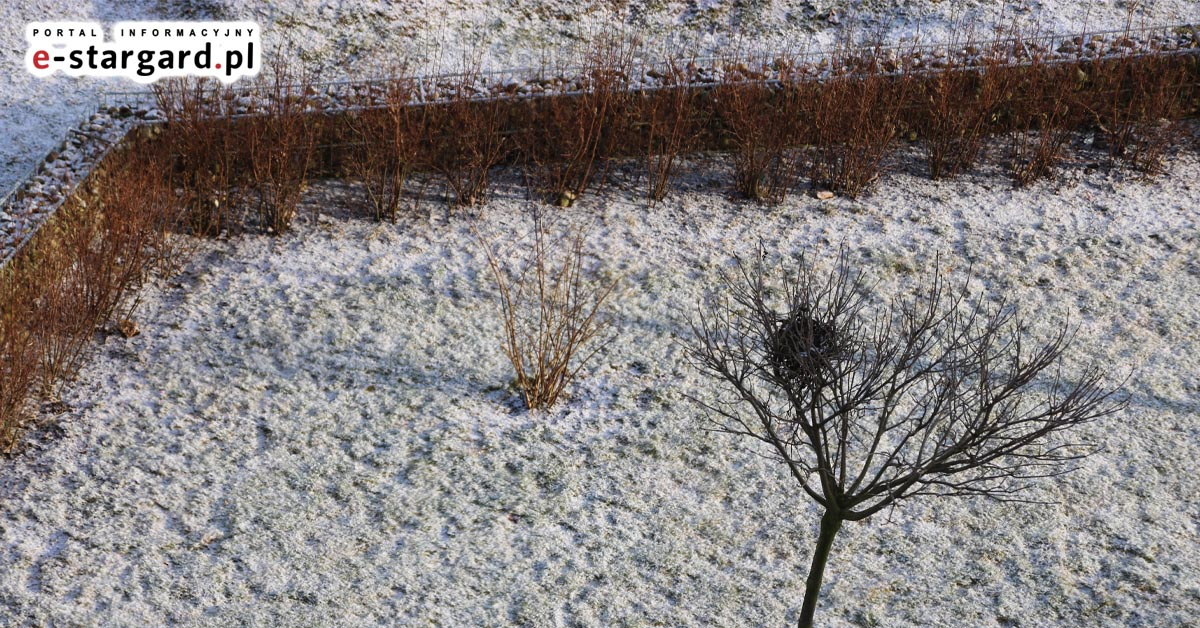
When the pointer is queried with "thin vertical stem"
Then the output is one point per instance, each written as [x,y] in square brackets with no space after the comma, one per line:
[831,522]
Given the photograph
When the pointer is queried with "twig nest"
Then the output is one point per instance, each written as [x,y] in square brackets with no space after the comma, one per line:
[802,348]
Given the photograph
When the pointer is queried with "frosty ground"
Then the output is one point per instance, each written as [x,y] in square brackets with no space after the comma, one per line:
[318,429]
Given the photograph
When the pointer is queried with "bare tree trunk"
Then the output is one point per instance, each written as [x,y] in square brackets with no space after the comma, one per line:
[830,524]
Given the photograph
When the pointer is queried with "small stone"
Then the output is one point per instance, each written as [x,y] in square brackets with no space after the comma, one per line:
[128,328]
[824,195]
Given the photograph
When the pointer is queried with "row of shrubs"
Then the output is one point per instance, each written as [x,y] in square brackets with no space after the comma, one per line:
[834,134]
[81,271]
[209,170]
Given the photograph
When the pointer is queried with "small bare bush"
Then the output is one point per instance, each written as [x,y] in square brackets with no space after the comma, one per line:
[210,166]
[761,119]
[18,353]
[566,141]
[81,284]
[282,146]
[385,135]
[1044,115]
[853,121]
[99,250]
[132,193]
[80,270]
[464,138]
[552,311]
[1134,101]
[957,107]
[665,124]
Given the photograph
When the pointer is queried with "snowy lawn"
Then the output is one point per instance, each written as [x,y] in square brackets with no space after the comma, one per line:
[316,430]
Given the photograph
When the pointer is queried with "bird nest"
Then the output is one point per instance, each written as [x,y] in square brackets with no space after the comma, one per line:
[802,350]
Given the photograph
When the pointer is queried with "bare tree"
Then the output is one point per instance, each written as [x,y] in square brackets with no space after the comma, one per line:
[868,403]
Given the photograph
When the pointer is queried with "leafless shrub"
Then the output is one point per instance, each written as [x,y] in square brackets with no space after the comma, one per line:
[282,145]
[98,251]
[210,166]
[385,138]
[81,283]
[1132,100]
[957,107]
[464,138]
[566,140]
[18,354]
[1152,139]
[665,123]
[81,269]
[761,119]
[552,313]
[853,119]
[870,404]
[132,193]
[1043,115]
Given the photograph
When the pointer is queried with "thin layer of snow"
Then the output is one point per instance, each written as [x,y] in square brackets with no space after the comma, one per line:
[316,430]
[366,38]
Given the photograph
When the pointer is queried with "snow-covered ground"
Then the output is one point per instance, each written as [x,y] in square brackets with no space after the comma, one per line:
[315,430]
[363,37]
